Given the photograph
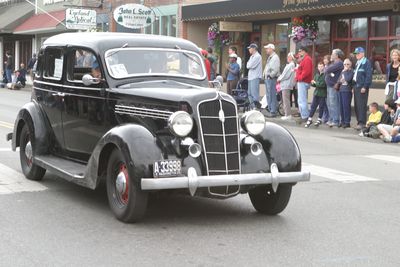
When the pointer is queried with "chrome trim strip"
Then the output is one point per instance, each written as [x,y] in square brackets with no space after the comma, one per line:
[69,94]
[223,153]
[216,117]
[142,112]
[144,109]
[223,180]
[67,86]
[219,134]
[224,171]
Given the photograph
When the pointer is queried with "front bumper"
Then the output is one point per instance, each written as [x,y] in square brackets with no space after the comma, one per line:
[192,181]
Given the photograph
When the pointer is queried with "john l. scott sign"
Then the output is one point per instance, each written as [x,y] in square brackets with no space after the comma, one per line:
[134,16]
[80,19]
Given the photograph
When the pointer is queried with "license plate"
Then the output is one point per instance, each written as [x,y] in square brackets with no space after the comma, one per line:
[166,168]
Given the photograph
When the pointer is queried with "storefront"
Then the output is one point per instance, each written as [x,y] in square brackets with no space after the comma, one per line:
[375,26]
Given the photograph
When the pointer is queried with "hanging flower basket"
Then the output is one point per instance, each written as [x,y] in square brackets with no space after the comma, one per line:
[216,38]
[303,27]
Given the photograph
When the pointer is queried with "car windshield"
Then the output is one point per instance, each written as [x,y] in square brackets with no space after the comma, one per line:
[133,62]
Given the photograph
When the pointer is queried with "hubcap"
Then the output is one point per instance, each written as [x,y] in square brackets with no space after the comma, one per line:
[28,153]
[122,184]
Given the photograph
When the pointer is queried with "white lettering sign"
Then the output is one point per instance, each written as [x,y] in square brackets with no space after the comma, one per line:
[134,16]
[80,19]
[287,3]
[51,2]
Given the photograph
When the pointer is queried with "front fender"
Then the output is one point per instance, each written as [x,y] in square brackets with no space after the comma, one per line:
[138,145]
[32,115]
[279,147]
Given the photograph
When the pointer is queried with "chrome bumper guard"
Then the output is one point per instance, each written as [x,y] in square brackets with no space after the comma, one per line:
[192,181]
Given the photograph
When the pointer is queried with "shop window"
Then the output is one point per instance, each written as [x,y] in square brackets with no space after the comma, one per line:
[378,56]
[164,25]
[394,44]
[322,43]
[379,26]
[359,28]
[156,26]
[267,33]
[342,29]
[281,32]
[172,25]
[342,46]
[395,25]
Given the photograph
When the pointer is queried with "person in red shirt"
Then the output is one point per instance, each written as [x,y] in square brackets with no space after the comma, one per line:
[304,76]
[207,63]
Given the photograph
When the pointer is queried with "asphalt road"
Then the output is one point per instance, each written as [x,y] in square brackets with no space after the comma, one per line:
[348,215]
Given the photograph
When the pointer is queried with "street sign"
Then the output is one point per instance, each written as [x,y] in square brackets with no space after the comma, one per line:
[134,16]
[80,19]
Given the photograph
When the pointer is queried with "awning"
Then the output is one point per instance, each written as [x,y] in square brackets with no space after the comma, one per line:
[245,8]
[12,16]
[42,23]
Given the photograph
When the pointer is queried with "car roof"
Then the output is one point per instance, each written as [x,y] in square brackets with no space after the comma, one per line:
[102,41]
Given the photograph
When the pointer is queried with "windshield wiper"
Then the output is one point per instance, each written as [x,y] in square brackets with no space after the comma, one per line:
[188,55]
[116,51]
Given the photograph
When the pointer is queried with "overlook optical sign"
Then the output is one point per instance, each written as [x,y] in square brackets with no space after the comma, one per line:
[134,16]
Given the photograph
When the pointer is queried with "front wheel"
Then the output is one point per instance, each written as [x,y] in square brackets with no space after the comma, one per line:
[266,201]
[127,201]
[26,153]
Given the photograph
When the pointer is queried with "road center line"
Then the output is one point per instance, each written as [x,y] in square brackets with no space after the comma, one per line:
[384,158]
[12,182]
[332,174]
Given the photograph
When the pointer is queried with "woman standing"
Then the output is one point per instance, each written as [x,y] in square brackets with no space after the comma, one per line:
[392,72]
[345,93]
[287,81]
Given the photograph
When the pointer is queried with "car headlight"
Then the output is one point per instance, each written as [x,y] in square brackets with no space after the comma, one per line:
[180,123]
[253,122]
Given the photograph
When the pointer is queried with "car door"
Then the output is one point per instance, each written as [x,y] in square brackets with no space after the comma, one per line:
[84,121]
[48,89]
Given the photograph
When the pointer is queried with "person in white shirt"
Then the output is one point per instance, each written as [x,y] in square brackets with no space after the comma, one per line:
[254,65]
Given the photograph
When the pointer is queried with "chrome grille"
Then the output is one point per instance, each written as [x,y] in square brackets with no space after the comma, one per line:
[220,136]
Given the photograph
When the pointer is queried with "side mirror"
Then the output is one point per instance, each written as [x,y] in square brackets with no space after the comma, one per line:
[88,79]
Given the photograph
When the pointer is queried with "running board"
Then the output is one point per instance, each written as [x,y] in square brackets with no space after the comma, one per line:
[67,169]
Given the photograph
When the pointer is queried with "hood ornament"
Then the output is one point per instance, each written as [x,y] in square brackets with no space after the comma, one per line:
[221,115]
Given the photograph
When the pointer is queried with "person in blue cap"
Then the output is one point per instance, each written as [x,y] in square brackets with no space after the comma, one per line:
[254,65]
[362,79]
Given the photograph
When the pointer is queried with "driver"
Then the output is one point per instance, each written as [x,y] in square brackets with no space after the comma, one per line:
[96,73]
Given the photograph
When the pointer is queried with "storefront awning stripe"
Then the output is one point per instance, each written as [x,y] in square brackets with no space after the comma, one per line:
[41,23]
[12,16]
[228,9]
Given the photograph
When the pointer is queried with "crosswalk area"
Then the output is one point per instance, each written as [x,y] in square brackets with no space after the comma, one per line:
[13,181]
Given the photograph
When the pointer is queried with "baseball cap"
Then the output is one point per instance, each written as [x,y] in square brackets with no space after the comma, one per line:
[253,45]
[359,50]
[233,55]
[397,101]
[270,46]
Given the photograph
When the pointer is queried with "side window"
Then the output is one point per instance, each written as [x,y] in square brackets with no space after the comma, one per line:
[38,67]
[81,62]
[53,63]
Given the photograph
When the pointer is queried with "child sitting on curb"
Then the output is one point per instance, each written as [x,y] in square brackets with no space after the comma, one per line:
[374,118]
[319,99]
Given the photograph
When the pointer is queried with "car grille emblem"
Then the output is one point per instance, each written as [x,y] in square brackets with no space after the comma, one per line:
[221,115]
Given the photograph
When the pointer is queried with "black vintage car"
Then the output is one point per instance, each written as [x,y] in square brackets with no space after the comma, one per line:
[136,111]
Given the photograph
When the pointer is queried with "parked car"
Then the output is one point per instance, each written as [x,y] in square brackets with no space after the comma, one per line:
[136,111]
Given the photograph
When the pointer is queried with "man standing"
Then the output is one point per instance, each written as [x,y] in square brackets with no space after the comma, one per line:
[254,76]
[363,79]
[332,74]
[271,73]
[31,63]
[233,50]
[9,66]
[304,77]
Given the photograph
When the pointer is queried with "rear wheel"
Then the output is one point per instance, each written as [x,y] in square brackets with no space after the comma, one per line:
[266,201]
[26,152]
[127,201]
